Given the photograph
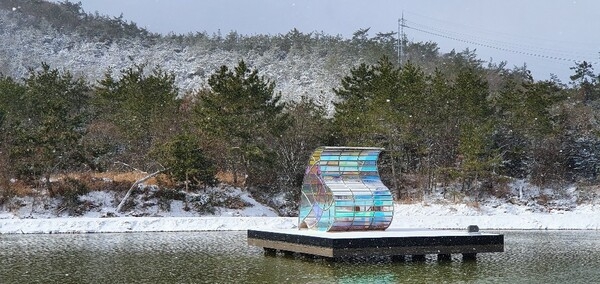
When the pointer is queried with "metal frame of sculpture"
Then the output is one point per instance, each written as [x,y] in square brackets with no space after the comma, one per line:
[342,191]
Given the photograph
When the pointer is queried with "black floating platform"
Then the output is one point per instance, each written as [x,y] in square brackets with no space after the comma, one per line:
[391,242]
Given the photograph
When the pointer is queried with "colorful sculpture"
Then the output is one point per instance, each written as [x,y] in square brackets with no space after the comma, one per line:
[342,191]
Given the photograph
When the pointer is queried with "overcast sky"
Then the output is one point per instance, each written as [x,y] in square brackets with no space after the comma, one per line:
[547,35]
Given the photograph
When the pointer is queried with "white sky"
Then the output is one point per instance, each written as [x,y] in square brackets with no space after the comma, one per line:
[556,31]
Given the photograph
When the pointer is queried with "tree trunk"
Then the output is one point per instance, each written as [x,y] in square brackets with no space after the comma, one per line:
[136,184]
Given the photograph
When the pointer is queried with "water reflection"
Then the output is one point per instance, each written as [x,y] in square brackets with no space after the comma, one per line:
[224,257]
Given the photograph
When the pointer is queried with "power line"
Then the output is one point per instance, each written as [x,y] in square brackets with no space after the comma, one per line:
[495,33]
[492,44]
[533,49]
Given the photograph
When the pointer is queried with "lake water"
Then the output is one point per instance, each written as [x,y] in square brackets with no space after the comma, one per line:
[224,257]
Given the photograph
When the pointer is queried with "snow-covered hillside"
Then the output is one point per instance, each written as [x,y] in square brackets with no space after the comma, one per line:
[295,74]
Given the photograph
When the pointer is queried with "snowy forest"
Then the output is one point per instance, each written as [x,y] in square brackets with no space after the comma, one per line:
[82,94]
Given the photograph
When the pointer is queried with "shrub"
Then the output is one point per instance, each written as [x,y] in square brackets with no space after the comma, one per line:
[169,194]
[496,186]
[4,195]
[204,203]
[186,161]
[70,189]
[165,196]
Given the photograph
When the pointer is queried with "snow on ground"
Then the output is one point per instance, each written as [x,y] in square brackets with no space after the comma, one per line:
[507,217]
[99,204]
[148,214]
[419,215]
[140,224]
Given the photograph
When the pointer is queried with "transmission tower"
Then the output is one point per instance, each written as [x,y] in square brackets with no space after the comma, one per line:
[401,25]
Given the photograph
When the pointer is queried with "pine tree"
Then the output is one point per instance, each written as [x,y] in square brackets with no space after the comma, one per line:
[370,98]
[11,94]
[186,162]
[46,135]
[472,113]
[586,81]
[352,120]
[141,106]
[243,111]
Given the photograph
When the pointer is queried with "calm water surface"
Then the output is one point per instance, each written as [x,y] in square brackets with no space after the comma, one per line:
[224,257]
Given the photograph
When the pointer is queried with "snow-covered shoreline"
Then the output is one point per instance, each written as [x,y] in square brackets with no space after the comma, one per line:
[140,224]
[454,217]
[29,216]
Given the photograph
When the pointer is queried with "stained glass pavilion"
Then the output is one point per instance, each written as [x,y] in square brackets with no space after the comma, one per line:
[342,191]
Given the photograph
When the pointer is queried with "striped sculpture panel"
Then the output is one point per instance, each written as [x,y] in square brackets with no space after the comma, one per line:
[342,191]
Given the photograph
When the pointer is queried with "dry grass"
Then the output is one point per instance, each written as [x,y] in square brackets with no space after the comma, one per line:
[589,194]
[20,189]
[543,199]
[112,180]
[474,204]
[228,178]
[113,176]
[125,177]
[409,200]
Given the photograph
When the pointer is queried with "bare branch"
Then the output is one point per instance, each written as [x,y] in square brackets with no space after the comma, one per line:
[129,166]
[136,184]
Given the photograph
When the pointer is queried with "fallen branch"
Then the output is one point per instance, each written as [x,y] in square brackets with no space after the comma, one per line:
[129,166]
[136,184]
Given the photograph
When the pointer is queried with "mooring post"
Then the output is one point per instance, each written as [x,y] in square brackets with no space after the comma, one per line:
[398,258]
[444,257]
[311,256]
[270,252]
[473,229]
[419,257]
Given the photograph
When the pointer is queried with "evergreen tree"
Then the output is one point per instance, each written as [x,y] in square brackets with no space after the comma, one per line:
[141,106]
[523,121]
[369,101]
[11,94]
[586,81]
[46,133]
[243,111]
[411,110]
[443,125]
[472,113]
[186,162]
[352,121]
[381,105]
